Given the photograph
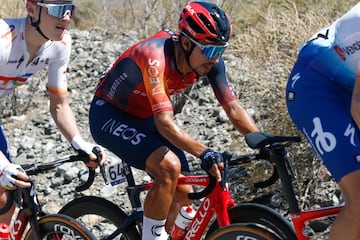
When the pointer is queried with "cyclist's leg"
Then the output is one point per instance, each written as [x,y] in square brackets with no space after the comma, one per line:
[180,198]
[6,217]
[320,108]
[164,166]
[133,140]
[347,222]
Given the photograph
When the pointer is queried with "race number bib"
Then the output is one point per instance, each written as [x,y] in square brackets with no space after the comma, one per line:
[117,173]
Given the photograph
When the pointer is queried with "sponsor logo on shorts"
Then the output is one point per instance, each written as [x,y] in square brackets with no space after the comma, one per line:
[123,131]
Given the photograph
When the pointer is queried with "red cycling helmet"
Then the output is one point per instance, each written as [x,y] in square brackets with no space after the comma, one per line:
[205,22]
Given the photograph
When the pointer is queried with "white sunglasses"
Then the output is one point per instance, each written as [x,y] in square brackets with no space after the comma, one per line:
[58,10]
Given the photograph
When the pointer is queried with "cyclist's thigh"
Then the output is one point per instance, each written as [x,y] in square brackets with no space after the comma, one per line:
[132,139]
[320,108]
[3,144]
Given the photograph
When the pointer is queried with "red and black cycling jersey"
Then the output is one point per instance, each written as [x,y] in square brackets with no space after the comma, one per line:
[143,78]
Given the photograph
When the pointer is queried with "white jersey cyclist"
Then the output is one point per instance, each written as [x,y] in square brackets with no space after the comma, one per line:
[15,65]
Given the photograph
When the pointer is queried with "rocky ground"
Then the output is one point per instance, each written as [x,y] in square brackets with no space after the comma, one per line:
[33,136]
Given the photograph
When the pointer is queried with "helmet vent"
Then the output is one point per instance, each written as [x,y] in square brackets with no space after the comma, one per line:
[207,23]
[194,26]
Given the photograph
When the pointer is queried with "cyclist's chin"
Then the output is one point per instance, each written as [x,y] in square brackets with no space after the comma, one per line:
[201,72]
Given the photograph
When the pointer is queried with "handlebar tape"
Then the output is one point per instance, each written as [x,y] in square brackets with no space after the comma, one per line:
[205,192]
[88,182]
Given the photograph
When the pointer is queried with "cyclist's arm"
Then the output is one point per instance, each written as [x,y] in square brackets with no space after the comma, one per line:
[181,139]
[176,135]
[57,89]
[65,120]
[239,117]
[63,115]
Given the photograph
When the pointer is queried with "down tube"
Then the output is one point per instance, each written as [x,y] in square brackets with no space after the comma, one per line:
[200,221]
[19,226]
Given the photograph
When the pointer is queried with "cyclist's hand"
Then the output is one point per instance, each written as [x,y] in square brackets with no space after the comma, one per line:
[12,176]
[212,162]
[82,146]
[94,155]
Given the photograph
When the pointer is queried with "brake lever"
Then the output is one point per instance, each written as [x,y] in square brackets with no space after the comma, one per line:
[96,150]
[227,157]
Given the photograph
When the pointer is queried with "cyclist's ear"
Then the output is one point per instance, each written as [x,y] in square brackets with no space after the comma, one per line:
[185,43]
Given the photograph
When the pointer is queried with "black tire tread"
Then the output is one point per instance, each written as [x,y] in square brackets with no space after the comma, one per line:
[100,207]
[239,229]
[253,214]
[47,223]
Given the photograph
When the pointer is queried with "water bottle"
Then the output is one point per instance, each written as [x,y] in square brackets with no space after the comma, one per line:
[182,222]
[4,231]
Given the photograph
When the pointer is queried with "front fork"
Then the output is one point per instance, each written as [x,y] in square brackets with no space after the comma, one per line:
[218,201]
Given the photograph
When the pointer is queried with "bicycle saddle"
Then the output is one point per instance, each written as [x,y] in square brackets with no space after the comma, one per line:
[261,139]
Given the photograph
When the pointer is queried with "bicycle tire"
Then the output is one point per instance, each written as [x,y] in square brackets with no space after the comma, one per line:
[61,226]
[108,214]
[239,231]
[9,202]
[259,217]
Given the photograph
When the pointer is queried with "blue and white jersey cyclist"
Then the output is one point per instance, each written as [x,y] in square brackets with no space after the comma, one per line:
[132,115]
[39,40]
[323,100]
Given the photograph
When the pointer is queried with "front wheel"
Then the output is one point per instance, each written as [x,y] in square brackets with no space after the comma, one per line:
[259,217]
[101,216]
[58,226]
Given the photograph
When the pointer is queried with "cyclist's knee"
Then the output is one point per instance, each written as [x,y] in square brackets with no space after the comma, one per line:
[3,197]
[347,186]
[163,164]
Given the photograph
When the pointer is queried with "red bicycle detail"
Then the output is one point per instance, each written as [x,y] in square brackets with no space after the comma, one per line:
[217,216]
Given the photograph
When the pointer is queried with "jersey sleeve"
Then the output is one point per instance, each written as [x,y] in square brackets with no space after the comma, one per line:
[220,84]
[5,41]
[152,64]
[57,81]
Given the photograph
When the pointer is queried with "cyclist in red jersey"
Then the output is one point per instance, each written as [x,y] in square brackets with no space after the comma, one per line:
[27,45]
[132,115]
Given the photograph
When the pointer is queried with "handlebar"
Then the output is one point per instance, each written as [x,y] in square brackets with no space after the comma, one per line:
[36,168]
[267,144]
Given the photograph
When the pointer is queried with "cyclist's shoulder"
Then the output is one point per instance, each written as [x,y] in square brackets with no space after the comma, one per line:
[153,46]
[64,43]
[11,36]
[12,23]
[217,71]
[10,28]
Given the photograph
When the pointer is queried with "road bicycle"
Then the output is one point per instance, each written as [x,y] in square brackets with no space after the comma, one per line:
[301,219]
[217,217]
[31,223]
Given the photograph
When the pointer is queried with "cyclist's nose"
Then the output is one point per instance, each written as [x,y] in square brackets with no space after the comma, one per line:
[67,16]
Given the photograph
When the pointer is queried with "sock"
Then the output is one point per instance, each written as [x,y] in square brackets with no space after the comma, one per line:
[154,229]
